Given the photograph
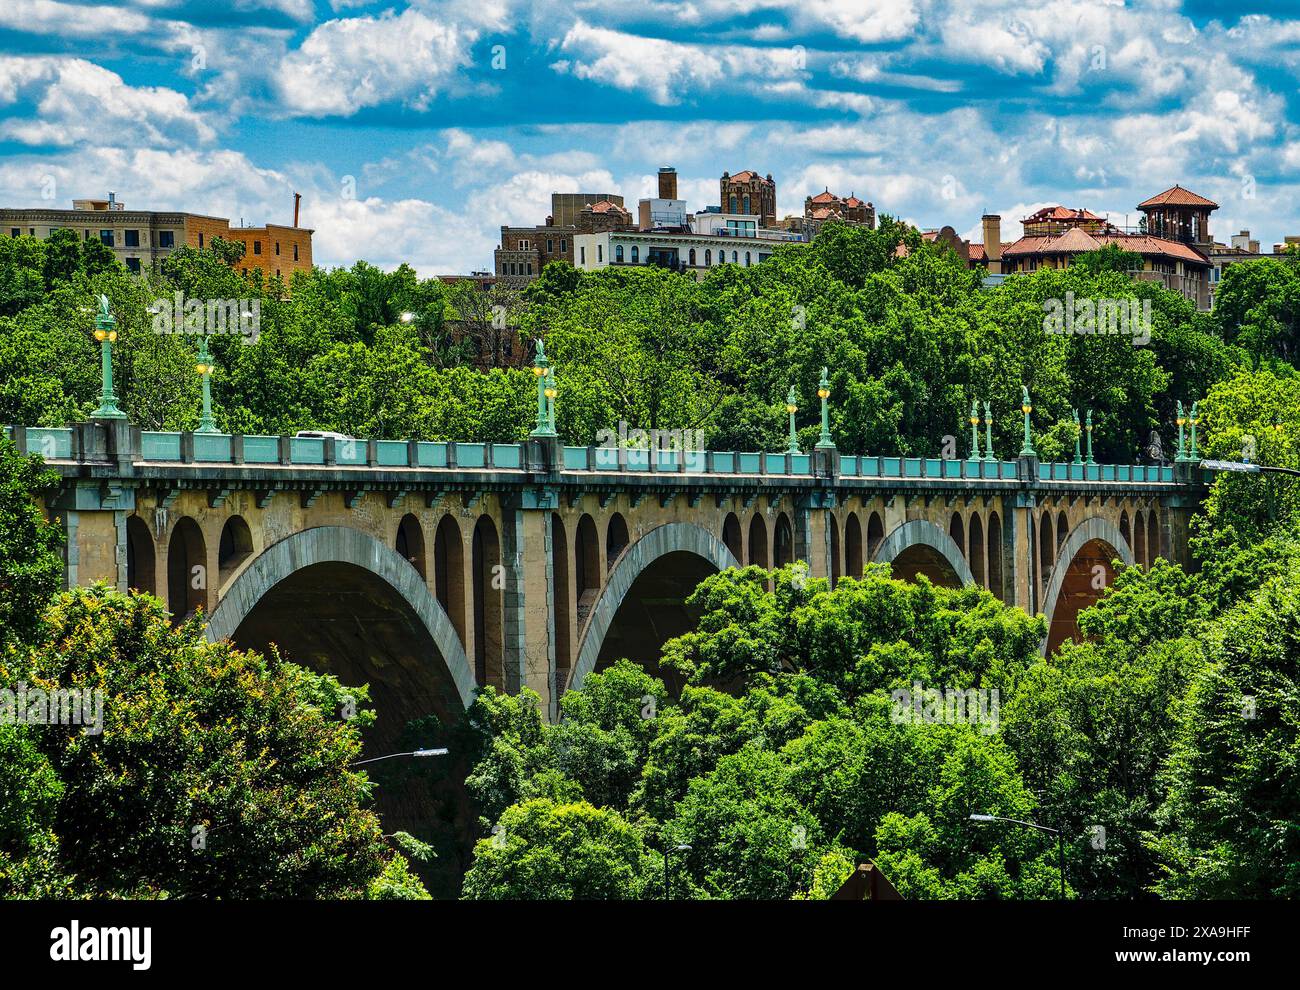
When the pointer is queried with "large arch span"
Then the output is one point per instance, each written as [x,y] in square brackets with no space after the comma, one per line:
[1082,573]
[921,547]
[334,595]
[650,579]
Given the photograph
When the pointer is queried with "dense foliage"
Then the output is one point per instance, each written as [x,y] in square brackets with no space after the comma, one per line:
[1164,746]
[187,769]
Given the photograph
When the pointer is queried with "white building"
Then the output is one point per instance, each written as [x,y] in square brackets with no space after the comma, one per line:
[680,251]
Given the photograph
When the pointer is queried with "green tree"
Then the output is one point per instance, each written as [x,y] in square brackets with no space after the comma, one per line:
[542,850]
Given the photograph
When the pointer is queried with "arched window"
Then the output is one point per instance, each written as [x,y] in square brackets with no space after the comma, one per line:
[733,204]
[708,257]
[746,259]
[636,254]
[734,259]
[618,253]
[747,203]
[691,256]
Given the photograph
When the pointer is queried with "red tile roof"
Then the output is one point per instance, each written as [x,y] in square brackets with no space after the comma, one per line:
[1178,196]
[746,176]
[854,201]
[1076,241]
[1060,213]
[825,197]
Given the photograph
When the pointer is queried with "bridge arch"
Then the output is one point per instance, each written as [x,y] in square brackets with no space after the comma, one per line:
[921,547]
[1095,542]
[366,564]
[691,551]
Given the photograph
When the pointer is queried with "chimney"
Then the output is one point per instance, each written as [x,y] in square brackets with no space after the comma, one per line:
[297,198]
[668,182]
[993,241]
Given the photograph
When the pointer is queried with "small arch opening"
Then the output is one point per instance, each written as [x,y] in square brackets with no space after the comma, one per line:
[731,537]
[187,570]
[140,564]
[236,546]
[410,542]
[616,538]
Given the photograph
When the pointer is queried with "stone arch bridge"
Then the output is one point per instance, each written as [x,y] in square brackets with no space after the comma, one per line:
[429,569]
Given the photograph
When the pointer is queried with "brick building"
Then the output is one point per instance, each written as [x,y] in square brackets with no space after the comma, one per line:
[827,206]
[748,192]
[141,239]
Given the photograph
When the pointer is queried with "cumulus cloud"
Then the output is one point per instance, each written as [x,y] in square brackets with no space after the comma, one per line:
[348,64]
[669,72]
[77,101]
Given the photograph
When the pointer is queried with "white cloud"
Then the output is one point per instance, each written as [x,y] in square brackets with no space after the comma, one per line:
[80,101]
[669,72]
[352,63]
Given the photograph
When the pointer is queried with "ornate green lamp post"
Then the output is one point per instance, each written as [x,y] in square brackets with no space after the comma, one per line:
[106,334]
[204,368]
[1182,441]
[1088,429]
[1193,419]
[550,392]
[1078,436]
[791,407]
[540,366]
[825,442]
[974,430]
[1026,407]
[988,434]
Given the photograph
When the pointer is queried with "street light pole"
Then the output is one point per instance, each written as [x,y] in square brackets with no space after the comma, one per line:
[1060,838]
[106,334]
[792,407]
[389,756]
[204,368]
[682,847]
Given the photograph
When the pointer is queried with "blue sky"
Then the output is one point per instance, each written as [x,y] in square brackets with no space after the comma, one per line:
[414,130]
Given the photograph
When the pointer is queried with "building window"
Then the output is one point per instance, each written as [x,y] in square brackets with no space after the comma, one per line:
[550,246]
[564,247]
[636,255]
[708,257]
[530,268]
[733,257]
[257,247]
[618,253]
[133,265]
[295,252]
[277,251]
[746,259]
[600,254]
[166,239]
[523,245]
[15,232]
[746,202]
[200,240]
[106,238]
[692,257]
[733,205]
[582,255]
[131,238]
